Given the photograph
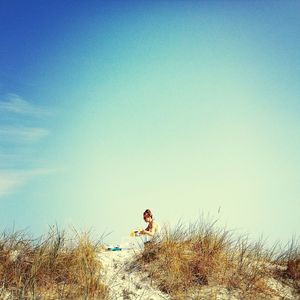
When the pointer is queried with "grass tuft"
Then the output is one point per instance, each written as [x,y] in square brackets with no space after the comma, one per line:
[53,266]
[185,260]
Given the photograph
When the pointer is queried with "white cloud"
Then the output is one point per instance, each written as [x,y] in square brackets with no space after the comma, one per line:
[17,142]
[25,134]
[7,183]
[16,104]
[12,180]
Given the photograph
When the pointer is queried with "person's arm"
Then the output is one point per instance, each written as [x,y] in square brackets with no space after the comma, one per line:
[149,232]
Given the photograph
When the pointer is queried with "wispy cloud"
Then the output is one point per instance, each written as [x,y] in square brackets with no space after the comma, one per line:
[18,140]
[27,134]
[11,180]
[16,104]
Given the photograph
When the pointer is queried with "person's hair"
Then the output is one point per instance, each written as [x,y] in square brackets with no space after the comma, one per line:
[148,213]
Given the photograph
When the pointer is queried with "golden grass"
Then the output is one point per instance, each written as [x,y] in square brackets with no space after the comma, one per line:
[51,267]
[289,260]
[185,260]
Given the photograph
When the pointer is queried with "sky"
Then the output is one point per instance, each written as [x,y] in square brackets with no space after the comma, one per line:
[189,108]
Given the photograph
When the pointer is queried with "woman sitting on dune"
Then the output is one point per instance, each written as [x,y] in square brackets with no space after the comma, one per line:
[153,228]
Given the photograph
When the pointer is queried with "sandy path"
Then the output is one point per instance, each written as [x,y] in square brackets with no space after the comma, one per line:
[124,280]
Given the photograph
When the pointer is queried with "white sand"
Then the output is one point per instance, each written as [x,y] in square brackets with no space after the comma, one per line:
[124,280]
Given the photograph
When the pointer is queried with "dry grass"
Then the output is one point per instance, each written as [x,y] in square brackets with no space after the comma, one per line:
[289,260]
[186,260]
[51,267]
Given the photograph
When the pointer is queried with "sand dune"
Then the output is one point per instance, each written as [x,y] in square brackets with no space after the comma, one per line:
[125,281]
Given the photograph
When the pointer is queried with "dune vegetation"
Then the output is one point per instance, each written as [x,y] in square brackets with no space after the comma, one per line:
[54,266]
[202,261]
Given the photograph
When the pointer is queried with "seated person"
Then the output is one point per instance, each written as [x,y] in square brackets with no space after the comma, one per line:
[152,228]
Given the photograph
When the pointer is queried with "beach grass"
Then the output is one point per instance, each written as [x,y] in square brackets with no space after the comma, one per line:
[54,266]
[185,261]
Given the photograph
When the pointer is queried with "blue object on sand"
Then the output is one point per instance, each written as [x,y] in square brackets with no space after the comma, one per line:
[114,249]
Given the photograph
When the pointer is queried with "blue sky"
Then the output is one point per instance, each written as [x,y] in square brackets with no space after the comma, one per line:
[185,107]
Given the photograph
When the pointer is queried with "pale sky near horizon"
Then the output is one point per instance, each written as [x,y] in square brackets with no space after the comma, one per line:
[185,107]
